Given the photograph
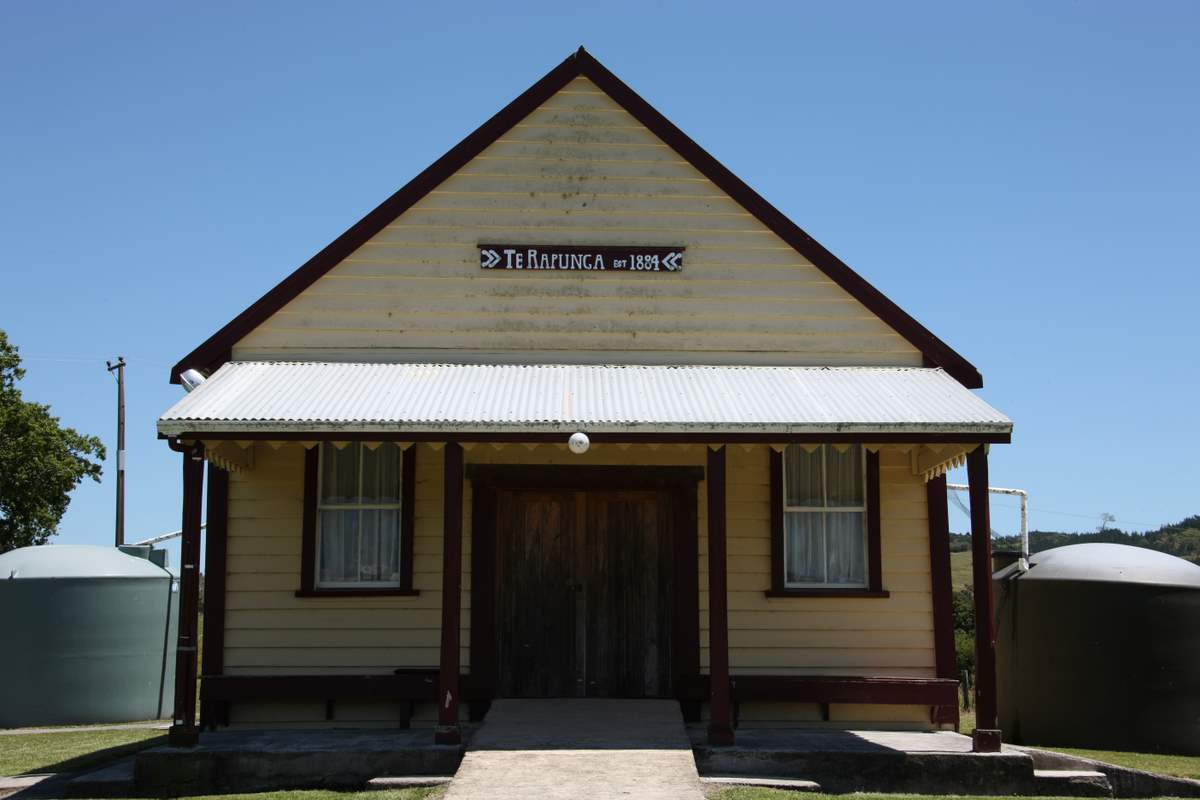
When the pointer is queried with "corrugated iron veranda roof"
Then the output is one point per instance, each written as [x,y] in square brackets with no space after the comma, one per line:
[321,397]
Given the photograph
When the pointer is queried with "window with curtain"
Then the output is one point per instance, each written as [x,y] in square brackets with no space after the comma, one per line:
[358,516]
[824,517]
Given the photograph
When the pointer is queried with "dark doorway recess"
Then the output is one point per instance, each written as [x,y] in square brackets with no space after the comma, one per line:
[585,593]
[584,581]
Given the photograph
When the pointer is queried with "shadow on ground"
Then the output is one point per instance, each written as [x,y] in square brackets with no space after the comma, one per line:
[98,758]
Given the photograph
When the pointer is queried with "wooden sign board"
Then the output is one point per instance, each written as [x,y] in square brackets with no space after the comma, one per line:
[571,258]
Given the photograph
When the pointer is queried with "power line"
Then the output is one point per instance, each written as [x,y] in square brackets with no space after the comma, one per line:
[1146,525]
[88,360]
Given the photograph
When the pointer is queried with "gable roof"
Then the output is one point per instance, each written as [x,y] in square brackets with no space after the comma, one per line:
[216,349]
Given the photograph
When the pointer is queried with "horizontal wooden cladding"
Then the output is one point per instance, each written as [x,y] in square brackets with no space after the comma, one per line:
[301,340]
[806,689]
[516,318]
[552,130]
[450,201]
[599,233]
[920,673]
[582,95]
[898,583]
[529,182]
[336,637]
[582,166]
[581,103]
[866,637]
[756,563]
[890,635]
[752,598]
[740,324]
[361,300]
[268,629]
[863,660]
[320,656]
[720,281]
[420,686]
[517,150]
[573,355]
[902,549]
[427,598]
[249,578]
[585,173]
[449,256]
[370,614]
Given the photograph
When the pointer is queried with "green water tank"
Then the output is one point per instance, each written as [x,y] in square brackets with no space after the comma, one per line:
[1098,646]
[88,635]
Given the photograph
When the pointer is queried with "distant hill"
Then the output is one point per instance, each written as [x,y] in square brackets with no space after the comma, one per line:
[1181,539]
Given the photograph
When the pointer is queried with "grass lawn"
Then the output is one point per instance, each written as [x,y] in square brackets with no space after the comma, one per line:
[1179,766]
[960,569]
[67,751]
[749,793]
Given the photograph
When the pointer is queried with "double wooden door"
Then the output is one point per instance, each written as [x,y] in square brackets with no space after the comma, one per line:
[584,593]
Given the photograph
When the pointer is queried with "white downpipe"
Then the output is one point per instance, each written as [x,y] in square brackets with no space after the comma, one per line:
[153,540]
[1024,495]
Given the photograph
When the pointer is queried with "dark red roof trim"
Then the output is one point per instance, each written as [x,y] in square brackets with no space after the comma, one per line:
[215,351]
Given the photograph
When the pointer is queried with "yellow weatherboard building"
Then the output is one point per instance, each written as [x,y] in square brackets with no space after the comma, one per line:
[577,413]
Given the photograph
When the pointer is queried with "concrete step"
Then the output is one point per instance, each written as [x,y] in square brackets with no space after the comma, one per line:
[1071,783]
[781,784]
[114,780]
[238,762]
[1126,782]
[12,785]
[566,749]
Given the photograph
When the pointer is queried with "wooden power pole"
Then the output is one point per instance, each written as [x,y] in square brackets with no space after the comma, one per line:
[120,370]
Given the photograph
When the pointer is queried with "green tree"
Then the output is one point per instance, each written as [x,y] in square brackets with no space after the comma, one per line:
[964,629]
[40,461]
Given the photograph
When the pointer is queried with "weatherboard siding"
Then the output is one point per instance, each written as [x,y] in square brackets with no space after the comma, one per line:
[271,631]
[268,630]
[890,636]
[578,170]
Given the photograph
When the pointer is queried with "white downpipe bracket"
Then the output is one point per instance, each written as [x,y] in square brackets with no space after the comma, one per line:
[1021,493]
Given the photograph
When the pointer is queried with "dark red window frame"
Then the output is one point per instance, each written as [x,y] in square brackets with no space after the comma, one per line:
[308,548]
[874,586]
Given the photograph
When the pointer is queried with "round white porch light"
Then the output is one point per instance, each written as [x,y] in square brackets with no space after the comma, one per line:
[579,443]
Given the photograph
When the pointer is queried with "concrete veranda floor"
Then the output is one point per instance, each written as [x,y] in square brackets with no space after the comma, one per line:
[582,747]
[849,741]
[920,762]
[598,749]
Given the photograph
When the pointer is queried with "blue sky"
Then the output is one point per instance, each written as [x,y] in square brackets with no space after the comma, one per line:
[1022,177]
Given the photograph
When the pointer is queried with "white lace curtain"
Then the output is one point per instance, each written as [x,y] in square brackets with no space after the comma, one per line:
[824,516]
[358,515]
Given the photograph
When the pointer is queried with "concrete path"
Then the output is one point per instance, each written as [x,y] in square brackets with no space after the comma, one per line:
[10,786]
[598,749]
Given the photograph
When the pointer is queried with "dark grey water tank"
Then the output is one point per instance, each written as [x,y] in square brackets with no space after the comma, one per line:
[88,636]
[1098,646]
